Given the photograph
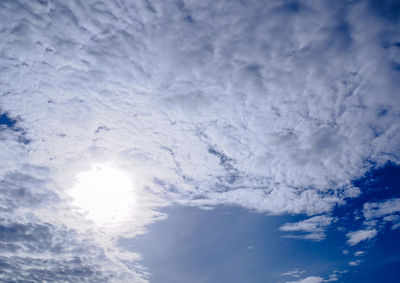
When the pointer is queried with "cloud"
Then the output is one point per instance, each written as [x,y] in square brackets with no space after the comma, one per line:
[362,235]
[359,253]
[187,97]
[355,262]
[206,103]
[379,209]
[396,226]
[334,276]
[294,273]
[52,243]
[313,228]
[377,214]
[28,246]
[310,279]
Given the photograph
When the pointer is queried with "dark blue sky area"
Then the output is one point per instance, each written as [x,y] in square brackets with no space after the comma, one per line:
[6,120]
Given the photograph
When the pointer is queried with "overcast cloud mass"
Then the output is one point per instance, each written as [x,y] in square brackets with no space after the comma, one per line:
[273,106]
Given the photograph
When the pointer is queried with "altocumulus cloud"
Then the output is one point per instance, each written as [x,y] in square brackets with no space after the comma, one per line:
[274,106]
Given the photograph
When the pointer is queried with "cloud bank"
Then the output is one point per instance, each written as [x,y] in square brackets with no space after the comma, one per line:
[216,98]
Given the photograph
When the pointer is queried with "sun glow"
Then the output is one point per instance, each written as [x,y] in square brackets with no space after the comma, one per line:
[104,195]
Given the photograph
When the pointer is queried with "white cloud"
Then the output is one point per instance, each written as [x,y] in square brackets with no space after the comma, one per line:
[334,276]
[188,100]
[359,253]
[362,235]
[355,262]
[294,273]
[377,214]
[379,209]
[310,279]
[312,228]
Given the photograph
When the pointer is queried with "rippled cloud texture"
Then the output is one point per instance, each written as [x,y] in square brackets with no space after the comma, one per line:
[275,106]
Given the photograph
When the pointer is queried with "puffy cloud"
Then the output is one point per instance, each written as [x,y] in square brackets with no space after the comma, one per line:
[199,93]
[362,235]
[313,228]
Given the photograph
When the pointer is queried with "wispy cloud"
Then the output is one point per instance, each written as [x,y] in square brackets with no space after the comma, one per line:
[333,277]
[359,253]
[310,279]
[362,235]
[379,209]
[385,211]
[312,228]
[294,273]
[355,262]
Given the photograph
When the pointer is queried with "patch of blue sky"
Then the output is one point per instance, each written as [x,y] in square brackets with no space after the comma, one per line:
[230,244]
[7,121]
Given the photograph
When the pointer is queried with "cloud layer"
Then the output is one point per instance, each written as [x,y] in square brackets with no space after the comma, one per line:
[216,100]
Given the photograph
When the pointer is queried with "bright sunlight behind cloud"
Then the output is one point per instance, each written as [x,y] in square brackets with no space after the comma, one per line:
[104,194]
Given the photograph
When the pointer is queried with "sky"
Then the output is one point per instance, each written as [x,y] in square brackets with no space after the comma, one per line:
[199,141]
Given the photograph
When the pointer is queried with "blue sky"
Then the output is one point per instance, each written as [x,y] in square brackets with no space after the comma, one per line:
[234,245]
[199,141]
